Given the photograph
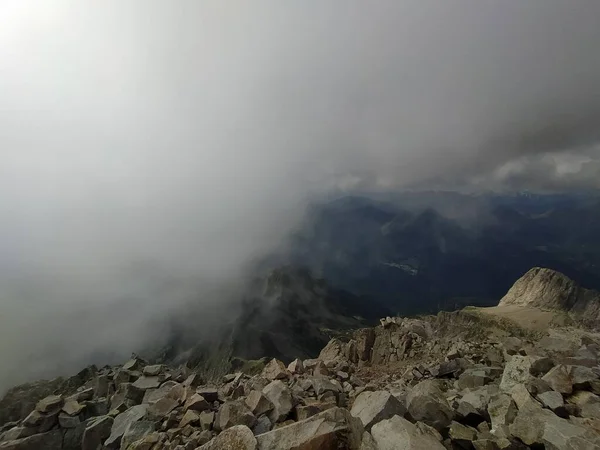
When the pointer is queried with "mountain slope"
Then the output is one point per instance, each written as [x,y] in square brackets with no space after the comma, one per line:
[285,314]
[548,289]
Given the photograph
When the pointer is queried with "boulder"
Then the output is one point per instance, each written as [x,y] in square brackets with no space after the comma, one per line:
[101,386]
[373,407]
[320,369]
[96,432]
[19,401]
[334,350]
[133,364]
[559,379]
[210,394]
[67,421]
[42,422]
[582,377]
[551,400]
[472,379]
[543,427]
[398,433]
[296,367]
[238,437]
[197,403]
[516,371]
[48,404]
[322,384]
[275,370]
[263,425]
[281,398]
[368,442]
[145,383]
[450,368]
[136,431]
[234,413]
[152,371]
[52,440]
[462,435]
[330,430]
[15,433]
[472,406]
[207,418]
[72,407]
[190,417]
[426,402]
[536,386]
[122,421]
[162,407]
[258,403]
[305,411]
[193,380]
[522,398]
[169,389]
[502,411]
[540,366]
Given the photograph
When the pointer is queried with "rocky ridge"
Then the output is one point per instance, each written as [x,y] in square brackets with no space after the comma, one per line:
[548,289]
[455,381]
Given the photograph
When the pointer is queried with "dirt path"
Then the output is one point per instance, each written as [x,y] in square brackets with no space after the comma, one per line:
[529,318]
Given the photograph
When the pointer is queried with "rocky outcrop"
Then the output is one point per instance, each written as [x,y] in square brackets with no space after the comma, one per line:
[444,382]
[547,289]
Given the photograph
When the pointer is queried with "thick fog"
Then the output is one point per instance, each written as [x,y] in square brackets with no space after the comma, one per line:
[150,150]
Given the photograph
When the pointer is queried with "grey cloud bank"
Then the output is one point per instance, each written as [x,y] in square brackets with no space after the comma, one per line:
[188,136]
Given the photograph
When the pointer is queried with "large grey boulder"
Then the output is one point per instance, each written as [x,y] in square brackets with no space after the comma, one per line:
[238,437]
[462,435]
[472,406]
[502,411]
[20,400]
[582,377]
[516,371]
[373,407]
[50,403]
[169,389]
[51,440]
[330,430]
[145,382]
[96,432]
[559,379]
[333,351]
[426,402]
[321,384]
[543,427]
[196,403]
[551,400]
[136,431]
[234,413]
[275,370]
[398,433]
[258,403]
[472,379]
[162,407]
[281,398]
[121,423]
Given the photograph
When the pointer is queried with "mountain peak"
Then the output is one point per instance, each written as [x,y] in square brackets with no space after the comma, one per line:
[548,289]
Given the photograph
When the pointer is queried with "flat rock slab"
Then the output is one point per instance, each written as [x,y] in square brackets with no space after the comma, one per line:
[373,407]
[331,430]
[121,423]
[398,433]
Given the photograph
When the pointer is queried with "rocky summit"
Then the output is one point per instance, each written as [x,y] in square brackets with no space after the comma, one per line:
[470,379]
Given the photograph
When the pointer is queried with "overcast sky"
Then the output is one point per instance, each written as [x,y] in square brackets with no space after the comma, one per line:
[189,135]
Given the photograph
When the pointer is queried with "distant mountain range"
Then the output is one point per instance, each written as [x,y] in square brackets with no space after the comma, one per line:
[423,252]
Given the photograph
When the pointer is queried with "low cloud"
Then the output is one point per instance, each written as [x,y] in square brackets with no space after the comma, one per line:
[151,150]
